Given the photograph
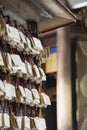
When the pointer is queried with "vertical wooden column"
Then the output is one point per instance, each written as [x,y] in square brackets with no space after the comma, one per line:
[64,103]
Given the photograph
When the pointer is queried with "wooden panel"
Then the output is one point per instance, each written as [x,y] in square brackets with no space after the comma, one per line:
[49,40]
[82,88]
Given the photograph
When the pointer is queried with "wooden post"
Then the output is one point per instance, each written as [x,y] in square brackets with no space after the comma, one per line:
[64,103]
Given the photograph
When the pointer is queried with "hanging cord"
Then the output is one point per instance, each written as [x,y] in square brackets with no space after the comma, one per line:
[23,106]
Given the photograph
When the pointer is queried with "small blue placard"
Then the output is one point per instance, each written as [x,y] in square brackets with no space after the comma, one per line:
[53,50]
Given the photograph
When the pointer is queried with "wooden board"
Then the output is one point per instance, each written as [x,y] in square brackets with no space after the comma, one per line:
[81,88]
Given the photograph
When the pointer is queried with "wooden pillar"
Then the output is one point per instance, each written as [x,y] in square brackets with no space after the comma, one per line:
[64,103]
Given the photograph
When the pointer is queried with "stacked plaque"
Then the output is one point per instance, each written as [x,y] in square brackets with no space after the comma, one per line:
[22,97]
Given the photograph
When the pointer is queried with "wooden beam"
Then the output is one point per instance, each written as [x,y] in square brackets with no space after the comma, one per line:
[64,103]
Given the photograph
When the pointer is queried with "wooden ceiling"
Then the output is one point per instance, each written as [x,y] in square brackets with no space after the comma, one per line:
[50,14]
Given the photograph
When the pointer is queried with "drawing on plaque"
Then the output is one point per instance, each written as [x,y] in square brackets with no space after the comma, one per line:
[83,85]
[84,124]
[83,46]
